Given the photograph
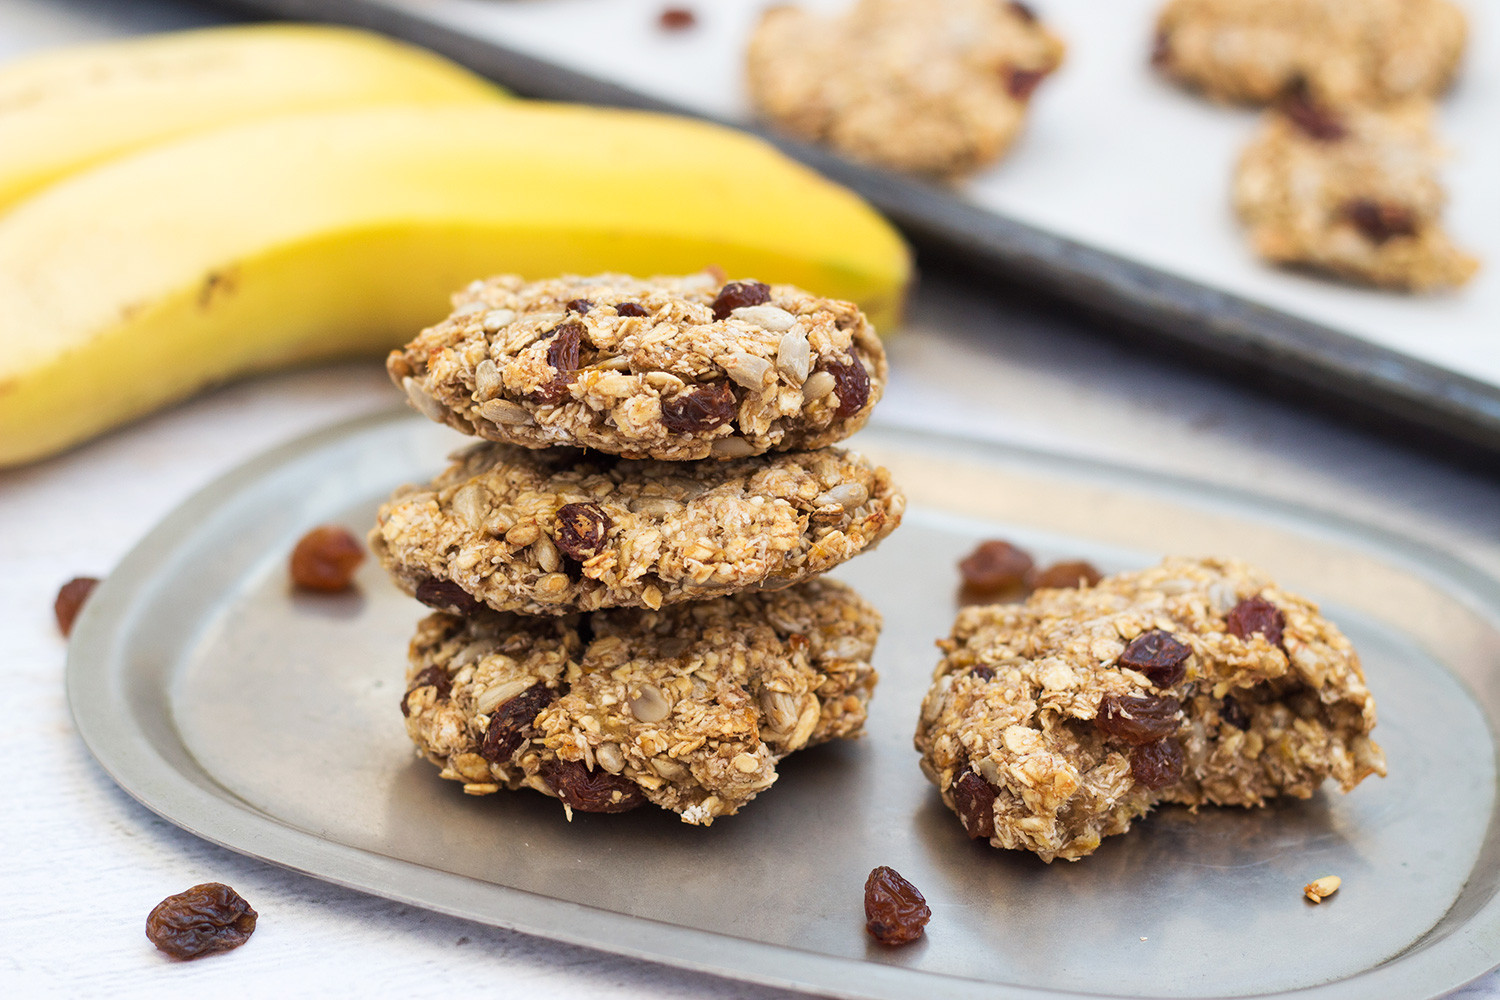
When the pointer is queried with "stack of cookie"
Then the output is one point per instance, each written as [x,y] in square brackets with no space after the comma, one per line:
[625,567]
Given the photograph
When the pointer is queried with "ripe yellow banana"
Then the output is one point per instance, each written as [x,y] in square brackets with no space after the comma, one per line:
[313,236]
[66,110]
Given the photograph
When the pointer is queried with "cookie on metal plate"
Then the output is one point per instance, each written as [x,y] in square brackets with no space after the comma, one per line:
[668,368]
[1344,51]
[936,87]
[689,708]
[1353,192]
[1057,722]
[562,530]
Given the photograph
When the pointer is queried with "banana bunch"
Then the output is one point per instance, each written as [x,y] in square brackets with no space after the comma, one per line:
[191,248]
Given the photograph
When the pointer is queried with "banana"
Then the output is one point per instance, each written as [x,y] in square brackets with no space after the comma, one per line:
[315,236]
[66,110]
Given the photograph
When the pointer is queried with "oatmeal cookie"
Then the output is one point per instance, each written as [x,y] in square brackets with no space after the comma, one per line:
[1056,722]
[689,708]
[1345,50]
[936,87]
[1353,192]
[668,368]
[555,531]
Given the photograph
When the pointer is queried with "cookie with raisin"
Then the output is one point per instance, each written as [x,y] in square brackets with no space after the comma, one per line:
[1055,723]
[932,87]
[1353,192]
[689,708]
[562,530]
[668,368]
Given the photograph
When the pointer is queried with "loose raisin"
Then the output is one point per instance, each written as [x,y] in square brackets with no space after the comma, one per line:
[995,567]
[566,347]
[1380,221]
[1063,575]
[895,912]
[1157,655]
[1022,83]
[579,306]
[1023,11]
[205,919]
[445,595]
[325,559]
[510,721]
[738,294]
[1137,719]
[701,409]
[851,383]
[982,672]
[1256,614]
[974,799]
[1315,120]
[631,309]
[581,529]
[677,19]
[1158,764]
[1232,712]
[591,791]
[429,677]
[69,602]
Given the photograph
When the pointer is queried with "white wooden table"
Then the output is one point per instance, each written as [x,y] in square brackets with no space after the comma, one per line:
[84,863]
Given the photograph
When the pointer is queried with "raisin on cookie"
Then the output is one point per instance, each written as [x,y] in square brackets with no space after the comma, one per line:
[689,708]
[1368,51]
[935,87]
[561,530]
[1353,192]
[1057,722]
[668,368]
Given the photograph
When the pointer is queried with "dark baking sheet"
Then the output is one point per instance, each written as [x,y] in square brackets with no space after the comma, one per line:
[1385,390]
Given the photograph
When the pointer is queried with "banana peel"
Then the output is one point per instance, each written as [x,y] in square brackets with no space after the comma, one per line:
[67,110]
[334,234]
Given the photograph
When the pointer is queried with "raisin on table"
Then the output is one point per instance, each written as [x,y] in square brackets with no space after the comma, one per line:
[895,912]
[204,920]
[70,600]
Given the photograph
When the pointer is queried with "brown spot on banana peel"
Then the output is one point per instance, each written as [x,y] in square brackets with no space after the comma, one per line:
[217,284]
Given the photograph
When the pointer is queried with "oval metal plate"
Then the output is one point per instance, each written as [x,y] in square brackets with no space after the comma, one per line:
[267,721]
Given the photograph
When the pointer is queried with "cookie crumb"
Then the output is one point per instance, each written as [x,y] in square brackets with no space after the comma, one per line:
[1320,889]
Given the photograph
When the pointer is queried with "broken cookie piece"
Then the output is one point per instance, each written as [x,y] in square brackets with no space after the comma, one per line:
[1369,51]
[1350,191]
[935,87]
[1055,723]
[689,708]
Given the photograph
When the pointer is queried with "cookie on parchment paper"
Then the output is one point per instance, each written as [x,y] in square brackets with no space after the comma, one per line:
[1368,51]
[935,87]
[1350,191]
[689,708]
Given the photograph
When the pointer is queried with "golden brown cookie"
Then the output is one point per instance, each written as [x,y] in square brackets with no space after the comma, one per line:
[1057,722]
